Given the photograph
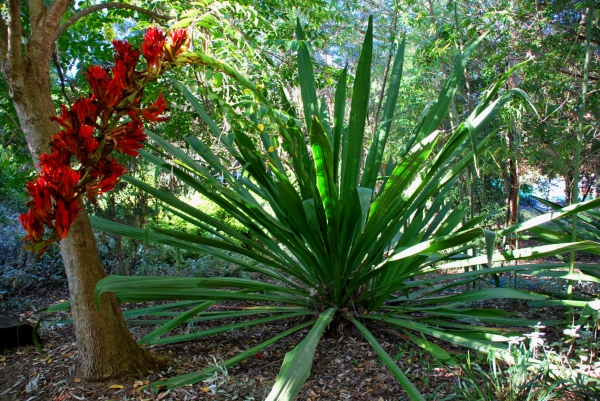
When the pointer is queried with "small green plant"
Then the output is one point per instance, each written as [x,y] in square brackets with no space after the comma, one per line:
[540,372]
[521,381]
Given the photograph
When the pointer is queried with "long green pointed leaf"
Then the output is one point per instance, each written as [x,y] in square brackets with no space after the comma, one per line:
[324,168]
[323,158]
[224,329]
[435,350]
[410,388]
[455,338]
[544,218]
[339,112]
[184,317]
[195,377]
[525,253]
[353,140]
[391,199]
[438,110]
[145,289]
[214,128]
[482,295]
[144,235]
[297,363]
[120,284]
[307,79]
[567,276]
[375,154]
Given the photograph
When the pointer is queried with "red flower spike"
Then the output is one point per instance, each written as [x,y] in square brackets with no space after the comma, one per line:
[98,80]
[87,144]
[120,74]
[65,117]
[66,142]
[68,179]
[41,203]
[107,173]
[128,56]
[57,159]
[80,143]
[33,226]
[114,93]
[125,62]
[127,138]
[66,213]
[153,112]
[86,111]
[178,38]
[154,41]
[176,44]
[55,194]
[106,90]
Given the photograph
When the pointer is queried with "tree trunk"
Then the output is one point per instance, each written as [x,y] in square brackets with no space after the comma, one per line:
[511,183]
[597,181]
[106,348]
[568,178]
[105,345]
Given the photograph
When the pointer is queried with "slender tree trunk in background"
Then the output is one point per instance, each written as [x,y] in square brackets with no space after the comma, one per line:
[588,180]
[511,182]
[597,179]
[512,179]
[387,68]
[568,179]
[105,346]
[596,168]
[587,20]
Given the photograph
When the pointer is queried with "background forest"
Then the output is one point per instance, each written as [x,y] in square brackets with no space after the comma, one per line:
[459,124]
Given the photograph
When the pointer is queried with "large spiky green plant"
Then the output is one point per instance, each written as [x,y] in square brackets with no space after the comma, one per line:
[334,236]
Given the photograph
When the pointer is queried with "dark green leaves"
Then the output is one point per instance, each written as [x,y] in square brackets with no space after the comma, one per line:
[352,144]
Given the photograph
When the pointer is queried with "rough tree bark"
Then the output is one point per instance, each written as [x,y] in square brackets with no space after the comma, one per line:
[105,346]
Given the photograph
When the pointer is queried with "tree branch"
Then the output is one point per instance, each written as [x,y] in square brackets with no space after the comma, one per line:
[574,33]
[60,73]
[576,75]
[3,42]
[57,9]
[82,13]
[37,14]
[55,12]
[14,40]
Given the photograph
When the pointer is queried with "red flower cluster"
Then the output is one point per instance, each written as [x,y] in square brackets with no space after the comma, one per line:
[81,162]
[154,41]
[158,48]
